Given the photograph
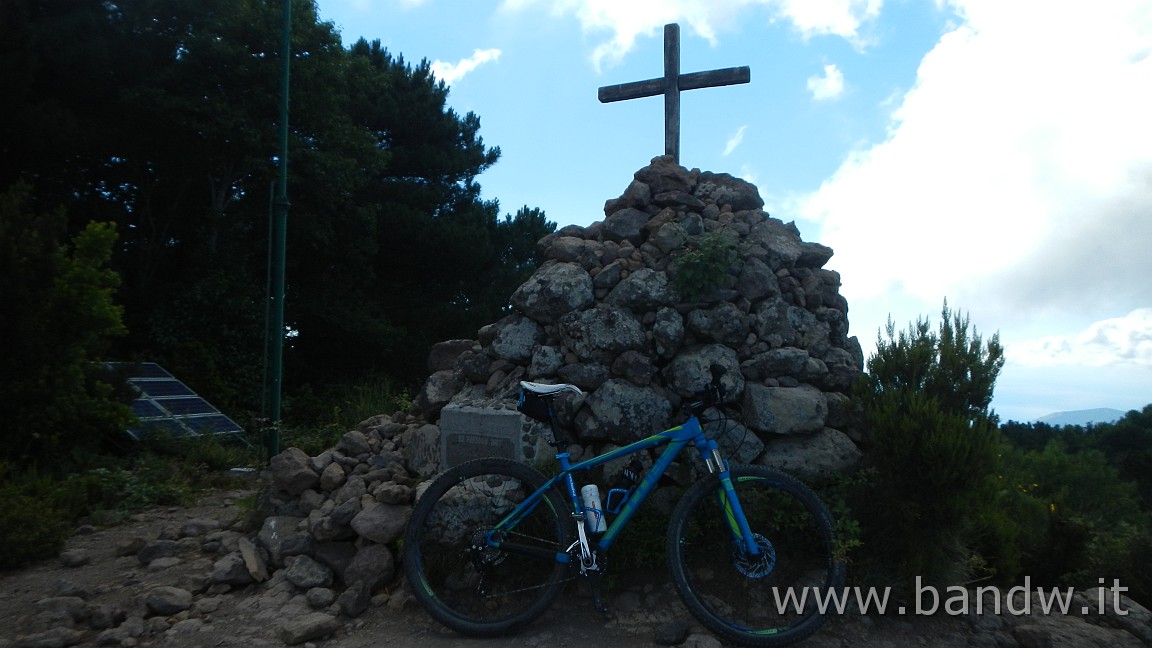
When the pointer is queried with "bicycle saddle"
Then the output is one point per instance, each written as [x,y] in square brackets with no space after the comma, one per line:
[549,390]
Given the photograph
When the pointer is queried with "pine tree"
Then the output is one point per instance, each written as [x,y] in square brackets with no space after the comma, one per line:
[933,438]
[58,319]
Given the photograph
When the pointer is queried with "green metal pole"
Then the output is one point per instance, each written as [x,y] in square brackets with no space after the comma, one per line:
[278,242]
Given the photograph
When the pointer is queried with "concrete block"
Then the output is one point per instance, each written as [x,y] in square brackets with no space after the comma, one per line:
[468,432]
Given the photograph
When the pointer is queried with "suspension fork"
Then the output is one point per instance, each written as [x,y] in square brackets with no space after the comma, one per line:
[728,500]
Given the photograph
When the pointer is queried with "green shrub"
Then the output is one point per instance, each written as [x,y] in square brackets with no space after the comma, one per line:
[30,529]
[316,419]
[842,495]
[931,468]
[704,266]
[312,440]
[59,317]
[933,451]
[198,456]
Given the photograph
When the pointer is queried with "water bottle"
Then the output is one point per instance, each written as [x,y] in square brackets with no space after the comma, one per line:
[593,509]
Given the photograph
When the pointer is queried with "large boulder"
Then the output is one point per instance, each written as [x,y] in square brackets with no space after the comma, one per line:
[277,534]
[382,523]
[664,175]
[626,225]
[554,290]
[691,370]
[292,471]
[622,412]
[306,573]
[374,565]
[445,354]
[724,323]
[782,324]
[643,290]
[599,334]
[785,410]
[778,245]
[724,189]
[515,337]
[814,457]
[436,392]
[422,450]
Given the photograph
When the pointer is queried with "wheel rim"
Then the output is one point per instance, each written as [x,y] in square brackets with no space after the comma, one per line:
[748,598]
[469,585]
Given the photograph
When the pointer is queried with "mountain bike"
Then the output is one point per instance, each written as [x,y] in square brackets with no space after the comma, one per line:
[492,542]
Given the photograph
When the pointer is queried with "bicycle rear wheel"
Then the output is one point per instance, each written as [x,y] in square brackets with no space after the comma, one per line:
[472,588]
[754,601]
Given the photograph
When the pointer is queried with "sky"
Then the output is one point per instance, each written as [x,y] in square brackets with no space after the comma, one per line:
[997,155]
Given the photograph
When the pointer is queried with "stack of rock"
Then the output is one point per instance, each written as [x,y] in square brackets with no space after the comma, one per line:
[606,311]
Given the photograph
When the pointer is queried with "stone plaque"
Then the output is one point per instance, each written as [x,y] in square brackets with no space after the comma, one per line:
[474,432]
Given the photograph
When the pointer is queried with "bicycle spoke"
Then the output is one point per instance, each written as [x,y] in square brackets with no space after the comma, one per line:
[754,600]
[467,584]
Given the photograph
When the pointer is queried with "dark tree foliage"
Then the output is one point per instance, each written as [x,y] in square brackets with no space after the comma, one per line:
[1126,444]
[1094,487]
[1028,436]
[435,261]
[160,116]
[58,319]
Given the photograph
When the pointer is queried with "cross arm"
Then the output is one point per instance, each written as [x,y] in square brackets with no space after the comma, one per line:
[692,81]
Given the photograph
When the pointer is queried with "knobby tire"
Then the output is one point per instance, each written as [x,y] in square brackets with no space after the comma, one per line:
[737,597]
[445,571]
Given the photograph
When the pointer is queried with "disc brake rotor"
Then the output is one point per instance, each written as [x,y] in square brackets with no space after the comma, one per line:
[755,566]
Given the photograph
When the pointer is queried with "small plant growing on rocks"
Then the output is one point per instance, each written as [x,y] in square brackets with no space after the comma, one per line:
[704,267]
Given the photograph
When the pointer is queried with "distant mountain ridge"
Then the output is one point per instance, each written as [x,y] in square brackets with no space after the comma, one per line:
[1082,417]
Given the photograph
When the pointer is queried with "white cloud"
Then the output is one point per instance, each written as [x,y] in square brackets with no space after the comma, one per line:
[626,21]
[735,140]
[829,86]
[748,173]
[1016,177]
[1117,341]
[842,18]
[451,72]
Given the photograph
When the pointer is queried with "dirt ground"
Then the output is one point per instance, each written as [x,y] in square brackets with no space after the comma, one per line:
[99,594]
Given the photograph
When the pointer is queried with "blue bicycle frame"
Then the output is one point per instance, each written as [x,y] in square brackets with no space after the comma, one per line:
[676,439]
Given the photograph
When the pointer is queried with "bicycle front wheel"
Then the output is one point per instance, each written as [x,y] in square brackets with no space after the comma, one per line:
[463,582]
[767,599]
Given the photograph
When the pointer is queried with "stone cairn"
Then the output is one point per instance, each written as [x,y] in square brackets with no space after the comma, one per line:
[604,311]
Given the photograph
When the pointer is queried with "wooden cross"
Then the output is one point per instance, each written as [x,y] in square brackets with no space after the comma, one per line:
[670,86]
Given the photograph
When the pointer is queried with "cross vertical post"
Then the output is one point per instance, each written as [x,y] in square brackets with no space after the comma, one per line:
[670,85]
[672,91]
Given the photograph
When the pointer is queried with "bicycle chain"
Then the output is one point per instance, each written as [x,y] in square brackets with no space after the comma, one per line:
[542,541]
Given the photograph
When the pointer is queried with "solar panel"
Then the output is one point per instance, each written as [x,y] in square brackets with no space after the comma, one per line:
[146,409]
[186,406]
[160,388]
[148,370]
[164,404]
